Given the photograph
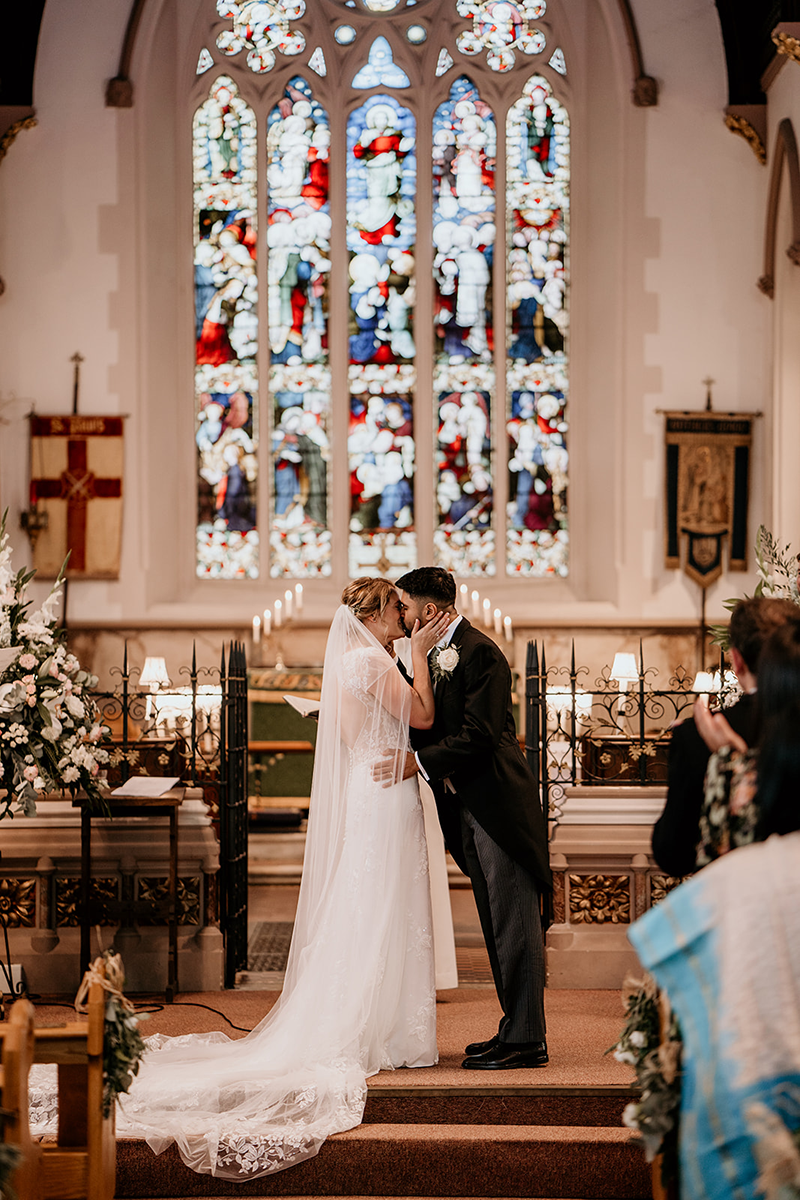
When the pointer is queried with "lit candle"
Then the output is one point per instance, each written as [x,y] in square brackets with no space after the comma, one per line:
[498,621]
[278,608]
[289,598]
[267,622]
[298,597]
[476,604]
[487,614]
[256,631]
[509,631]
[463,594]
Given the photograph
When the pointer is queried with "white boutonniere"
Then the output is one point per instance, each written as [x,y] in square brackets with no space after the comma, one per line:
[443,662]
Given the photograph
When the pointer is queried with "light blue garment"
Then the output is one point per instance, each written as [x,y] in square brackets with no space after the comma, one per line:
[725,948]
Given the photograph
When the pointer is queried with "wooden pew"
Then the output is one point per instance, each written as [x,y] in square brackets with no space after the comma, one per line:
[81,1163]
[15,1065]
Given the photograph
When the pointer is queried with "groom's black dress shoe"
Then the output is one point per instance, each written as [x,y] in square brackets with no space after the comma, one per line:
[481,1047]
[505,1056]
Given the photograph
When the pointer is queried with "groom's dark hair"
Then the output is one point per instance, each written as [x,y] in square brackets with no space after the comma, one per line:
[429,583]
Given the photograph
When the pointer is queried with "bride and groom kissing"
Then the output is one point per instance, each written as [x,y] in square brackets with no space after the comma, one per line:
[359,992]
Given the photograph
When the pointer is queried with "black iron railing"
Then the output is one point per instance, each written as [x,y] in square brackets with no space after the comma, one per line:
[613,733]
[198,731]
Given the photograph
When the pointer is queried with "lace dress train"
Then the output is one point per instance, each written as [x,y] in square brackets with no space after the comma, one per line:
[359,993]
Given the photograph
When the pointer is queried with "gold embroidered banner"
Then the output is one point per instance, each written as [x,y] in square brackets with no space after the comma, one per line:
[707,491]
[76,479]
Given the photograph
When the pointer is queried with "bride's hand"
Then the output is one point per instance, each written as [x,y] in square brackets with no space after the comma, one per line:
[425,638]
[714,729]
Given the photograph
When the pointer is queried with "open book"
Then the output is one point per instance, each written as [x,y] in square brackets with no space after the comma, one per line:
[147,785]
[306,708]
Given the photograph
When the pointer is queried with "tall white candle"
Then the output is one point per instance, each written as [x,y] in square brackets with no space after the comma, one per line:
[256,631]
[476,604]
[289,598]
[509,630]
[498,621]
[298,597]
[278,610]
[267,622]
[463,595]
[487,614]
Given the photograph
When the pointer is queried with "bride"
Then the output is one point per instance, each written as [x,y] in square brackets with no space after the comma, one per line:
[359,993]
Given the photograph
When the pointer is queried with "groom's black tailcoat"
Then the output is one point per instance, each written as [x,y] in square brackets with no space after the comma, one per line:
[473,743]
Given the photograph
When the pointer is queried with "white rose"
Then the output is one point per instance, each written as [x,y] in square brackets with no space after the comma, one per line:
[74,705]
[630,1116]
[637,1039]
[70,774]
[447,659]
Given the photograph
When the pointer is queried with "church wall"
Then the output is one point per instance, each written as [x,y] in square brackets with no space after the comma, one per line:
[784,311]
[703,206]
[95,226]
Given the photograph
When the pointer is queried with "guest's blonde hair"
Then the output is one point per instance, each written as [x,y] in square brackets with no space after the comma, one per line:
[367,596]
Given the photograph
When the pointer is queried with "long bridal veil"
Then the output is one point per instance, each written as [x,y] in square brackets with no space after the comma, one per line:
[358,994]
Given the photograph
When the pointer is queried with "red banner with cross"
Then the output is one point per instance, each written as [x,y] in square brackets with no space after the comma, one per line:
[76,479]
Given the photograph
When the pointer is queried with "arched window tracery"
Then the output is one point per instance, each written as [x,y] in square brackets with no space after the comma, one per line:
[462,108]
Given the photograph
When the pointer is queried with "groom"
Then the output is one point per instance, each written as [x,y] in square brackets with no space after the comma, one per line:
[490,814]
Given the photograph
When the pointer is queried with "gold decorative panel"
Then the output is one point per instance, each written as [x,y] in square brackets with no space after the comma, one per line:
[599,899]
[661,886]
[17,901]
[102,893]
[156,891]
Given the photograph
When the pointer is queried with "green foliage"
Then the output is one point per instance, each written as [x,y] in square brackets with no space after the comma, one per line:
[777,570]
[655,1057]
[123,1047]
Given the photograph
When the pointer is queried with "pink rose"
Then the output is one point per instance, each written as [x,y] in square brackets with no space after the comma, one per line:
[27,662]
[30,773]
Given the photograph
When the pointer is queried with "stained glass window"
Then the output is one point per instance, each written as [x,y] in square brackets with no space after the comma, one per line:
[261,27]
[476,394]
[537,211]
[226,334]
[381,239]
[464,150]
[298,238]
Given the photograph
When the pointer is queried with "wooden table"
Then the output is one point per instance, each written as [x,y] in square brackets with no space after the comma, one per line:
[134,806]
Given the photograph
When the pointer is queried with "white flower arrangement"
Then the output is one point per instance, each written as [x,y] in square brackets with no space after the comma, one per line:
[443,662]
[651,1043]
[49,728]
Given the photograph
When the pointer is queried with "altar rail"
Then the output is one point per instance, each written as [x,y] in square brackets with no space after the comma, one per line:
[198,731]
[613,734]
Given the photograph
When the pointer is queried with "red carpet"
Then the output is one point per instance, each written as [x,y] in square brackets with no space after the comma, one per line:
[442,1131]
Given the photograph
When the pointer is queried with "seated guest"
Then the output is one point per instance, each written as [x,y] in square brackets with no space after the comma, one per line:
[725,946]
[677,832]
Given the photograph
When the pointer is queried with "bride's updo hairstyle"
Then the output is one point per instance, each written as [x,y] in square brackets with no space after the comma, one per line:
[367,596]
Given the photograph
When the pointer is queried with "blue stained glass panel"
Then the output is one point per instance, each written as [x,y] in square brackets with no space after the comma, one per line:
[381,235]
[537,371]
[298,271]
[226,333]
[464,160]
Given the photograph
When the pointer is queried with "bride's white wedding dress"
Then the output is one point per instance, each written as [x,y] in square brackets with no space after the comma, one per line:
[359,993]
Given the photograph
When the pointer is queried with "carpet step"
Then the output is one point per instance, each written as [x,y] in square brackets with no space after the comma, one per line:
[497,1106]
[404,1160]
